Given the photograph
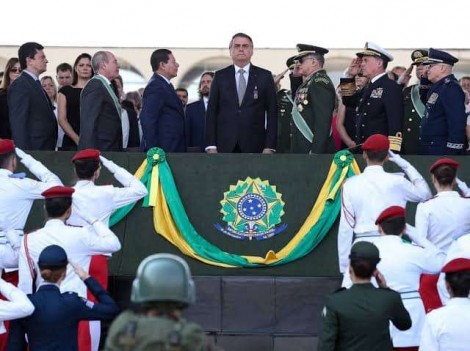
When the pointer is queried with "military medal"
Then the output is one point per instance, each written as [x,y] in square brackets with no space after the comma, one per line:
[300,108]
[305,102]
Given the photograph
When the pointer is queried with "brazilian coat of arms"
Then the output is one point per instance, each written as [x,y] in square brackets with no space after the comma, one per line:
[252,209]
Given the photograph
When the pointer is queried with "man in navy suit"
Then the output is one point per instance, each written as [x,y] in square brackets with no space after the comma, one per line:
[242,111]
[53,325]
[196,115]
[32,119]
[162,115]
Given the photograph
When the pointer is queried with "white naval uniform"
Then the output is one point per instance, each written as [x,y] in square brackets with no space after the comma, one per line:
[365,196]
[402,265]
[79,243]
[443,218]
[459,248]
[447,328]
[101,200]
[17,306]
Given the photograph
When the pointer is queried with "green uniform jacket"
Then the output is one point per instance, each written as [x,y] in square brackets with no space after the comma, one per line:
[136,332]
[411,123]
[357,319]
[315,100]
[284,122]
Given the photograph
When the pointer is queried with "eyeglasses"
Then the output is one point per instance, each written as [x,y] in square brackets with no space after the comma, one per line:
[15,70]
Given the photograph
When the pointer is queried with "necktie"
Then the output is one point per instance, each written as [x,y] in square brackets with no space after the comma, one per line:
[241,86]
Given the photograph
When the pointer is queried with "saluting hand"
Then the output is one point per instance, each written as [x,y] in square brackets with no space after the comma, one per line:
[79,271]
[354,67]
[405,77]
[20,153]
[380,279]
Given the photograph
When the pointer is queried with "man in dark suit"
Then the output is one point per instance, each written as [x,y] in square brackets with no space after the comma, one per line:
[162,115]
[32,119]
[242,110]
[100,109]
[379,105]
[196,115]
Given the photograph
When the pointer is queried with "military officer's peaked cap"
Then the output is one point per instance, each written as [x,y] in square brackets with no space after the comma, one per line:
[391,212]
[439,56]
[372,49]
[419,56]
[290,63]
[376,142]
[58,191]
[365,250]
[6,146]
[305,49]
[457,265]
[91,154]
[52,256]
[444,162]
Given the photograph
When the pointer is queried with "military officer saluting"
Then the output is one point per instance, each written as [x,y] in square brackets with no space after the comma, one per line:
[444,121]
[53,325]
[379,105]
[314,103]
[412,104]
[357,319]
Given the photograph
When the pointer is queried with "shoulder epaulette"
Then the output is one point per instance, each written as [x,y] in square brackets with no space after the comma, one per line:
[73,226]
[432,198]
[339,290]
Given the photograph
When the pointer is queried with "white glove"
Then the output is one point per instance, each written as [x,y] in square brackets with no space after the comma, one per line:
[20,153]
[463,187]
[110,165]
[13,238]
[396,158]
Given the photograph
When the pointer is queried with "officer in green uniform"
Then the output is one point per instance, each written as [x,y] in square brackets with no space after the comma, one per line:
[357,319]
[284,103]
[162,288]
[313,105]
[413,106]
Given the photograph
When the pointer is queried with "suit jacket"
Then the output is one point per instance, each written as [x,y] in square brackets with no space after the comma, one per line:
[379,109]
[100,121]
[253,125]
[32,119]
[195,124]
[54,324]
[162,117]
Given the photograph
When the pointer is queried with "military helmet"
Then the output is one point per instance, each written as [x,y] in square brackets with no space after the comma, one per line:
[163,277]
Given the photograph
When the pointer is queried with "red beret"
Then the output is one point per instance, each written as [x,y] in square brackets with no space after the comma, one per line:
[6,146]
[457,265]
[444,161]
[391,212]
[58,191]
[376,142]
[92,154]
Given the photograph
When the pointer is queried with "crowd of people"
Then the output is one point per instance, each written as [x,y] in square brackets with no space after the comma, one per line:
[421,274]
[241,107]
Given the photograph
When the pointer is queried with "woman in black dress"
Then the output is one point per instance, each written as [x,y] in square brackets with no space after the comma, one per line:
[68,101]
[11,72]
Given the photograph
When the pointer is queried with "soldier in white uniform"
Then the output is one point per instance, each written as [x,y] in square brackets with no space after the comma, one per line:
[100,202]
[366,195]
[17,306]
[447,328]
[402,265]
[441,220]
[80,243]
[17,196]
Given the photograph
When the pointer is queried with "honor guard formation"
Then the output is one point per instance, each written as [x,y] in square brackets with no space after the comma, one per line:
[404,287]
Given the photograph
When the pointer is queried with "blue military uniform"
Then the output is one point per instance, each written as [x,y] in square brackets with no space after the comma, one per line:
[54,324]
[444,122]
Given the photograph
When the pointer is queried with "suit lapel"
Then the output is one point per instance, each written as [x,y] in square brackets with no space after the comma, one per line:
[250,86]
[38,89]
[172,93]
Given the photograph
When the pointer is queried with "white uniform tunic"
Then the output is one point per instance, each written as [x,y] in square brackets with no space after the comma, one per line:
[447,328]
[101,201]
[17,306]
[366,195]
[443,218]
[79,243]
[402,265]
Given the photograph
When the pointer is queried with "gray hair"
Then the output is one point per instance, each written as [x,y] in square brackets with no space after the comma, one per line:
[98,58]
